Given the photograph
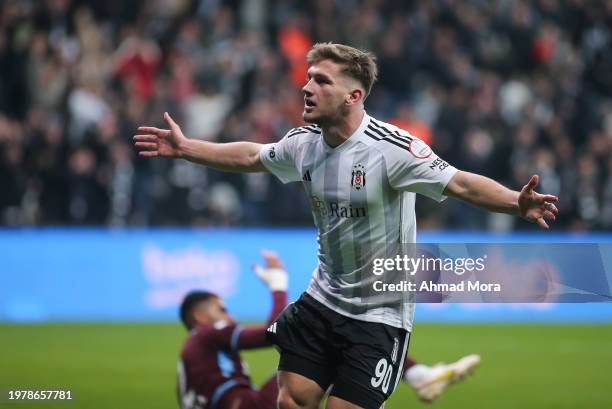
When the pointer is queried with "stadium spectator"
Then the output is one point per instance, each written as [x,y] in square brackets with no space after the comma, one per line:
[466,69]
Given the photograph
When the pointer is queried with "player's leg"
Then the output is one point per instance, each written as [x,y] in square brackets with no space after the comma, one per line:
[305,369]
[301,393]
[371,365]
[286,390]
[267,395]
[237,398]
[264,398]
[334,402]
[409,362]
[297,391]
[429,382]
[337,403]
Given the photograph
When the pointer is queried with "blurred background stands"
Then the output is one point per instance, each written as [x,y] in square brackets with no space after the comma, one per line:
[504,88]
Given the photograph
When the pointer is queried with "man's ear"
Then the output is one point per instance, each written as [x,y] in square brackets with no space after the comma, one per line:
[354,97]
[200,317]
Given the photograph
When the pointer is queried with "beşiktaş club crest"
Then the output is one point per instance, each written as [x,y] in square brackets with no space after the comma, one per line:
[358,177]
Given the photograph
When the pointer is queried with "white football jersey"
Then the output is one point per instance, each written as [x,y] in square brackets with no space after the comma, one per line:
[362,195]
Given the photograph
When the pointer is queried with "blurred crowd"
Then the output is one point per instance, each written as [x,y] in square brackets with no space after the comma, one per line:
[504,88]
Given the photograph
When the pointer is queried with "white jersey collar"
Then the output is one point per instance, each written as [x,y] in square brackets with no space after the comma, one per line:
[351,140]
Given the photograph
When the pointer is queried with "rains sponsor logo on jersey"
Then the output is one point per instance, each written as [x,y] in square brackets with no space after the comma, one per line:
[358,177]
[335,209]
[319,206]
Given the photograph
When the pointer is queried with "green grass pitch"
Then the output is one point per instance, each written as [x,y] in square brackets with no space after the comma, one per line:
[129,366]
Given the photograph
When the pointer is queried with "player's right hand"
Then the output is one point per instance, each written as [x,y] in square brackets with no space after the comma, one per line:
[160,142]
[536,207]
[273,275]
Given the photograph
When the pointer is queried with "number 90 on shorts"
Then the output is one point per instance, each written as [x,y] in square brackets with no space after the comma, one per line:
[382,375]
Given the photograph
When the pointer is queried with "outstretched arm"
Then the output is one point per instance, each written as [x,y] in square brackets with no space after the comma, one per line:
[487,194]
[172,143]
[275,278]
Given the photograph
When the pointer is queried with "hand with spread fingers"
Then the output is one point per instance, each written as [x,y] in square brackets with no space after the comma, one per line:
[536,207]
[160,142]
[273,275]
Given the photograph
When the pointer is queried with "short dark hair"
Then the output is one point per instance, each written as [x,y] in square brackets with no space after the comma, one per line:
[357,64]
[190,302]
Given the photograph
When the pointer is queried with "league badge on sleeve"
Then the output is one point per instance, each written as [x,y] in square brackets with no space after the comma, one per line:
[419,149]
[358,177]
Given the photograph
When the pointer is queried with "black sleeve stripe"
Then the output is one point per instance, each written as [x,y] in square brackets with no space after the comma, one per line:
[313,128]
[401,138]
[376,138]
[387,130]
[383,135]
[296,133]
[371,135]
[378,125]
[299,129]
[395,135]
[371,128]
[302,129]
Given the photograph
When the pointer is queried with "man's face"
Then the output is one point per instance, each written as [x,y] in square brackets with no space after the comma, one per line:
[212,311]
[326,92]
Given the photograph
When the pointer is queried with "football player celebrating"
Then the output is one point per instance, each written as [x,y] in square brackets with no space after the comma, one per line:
[362,176]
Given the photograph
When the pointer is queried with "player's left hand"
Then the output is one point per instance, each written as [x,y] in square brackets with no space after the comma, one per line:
[273,274]
[536,207]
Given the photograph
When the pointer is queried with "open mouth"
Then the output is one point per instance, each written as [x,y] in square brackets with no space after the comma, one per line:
[309,104]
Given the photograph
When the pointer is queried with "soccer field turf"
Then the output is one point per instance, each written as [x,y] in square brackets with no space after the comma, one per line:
[112,366]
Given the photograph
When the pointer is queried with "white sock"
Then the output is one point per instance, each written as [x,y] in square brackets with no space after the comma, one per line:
[416,374]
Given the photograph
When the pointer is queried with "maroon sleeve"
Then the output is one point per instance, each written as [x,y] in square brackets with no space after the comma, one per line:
[279,302]
[223,334]
[255,336]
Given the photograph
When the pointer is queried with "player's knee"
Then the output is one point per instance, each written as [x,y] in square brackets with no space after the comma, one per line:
[298,392]
[287,401]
